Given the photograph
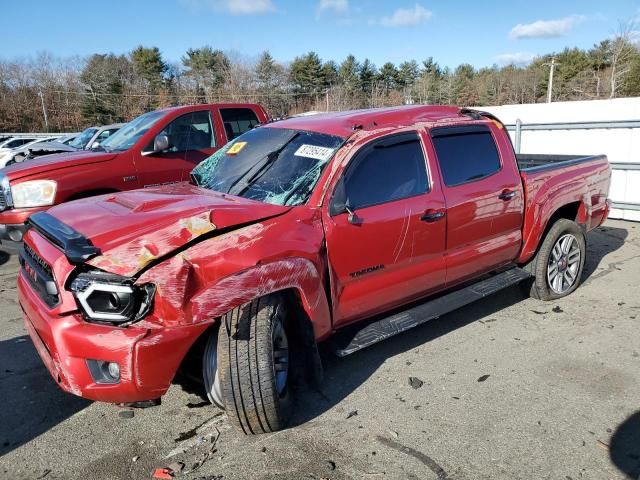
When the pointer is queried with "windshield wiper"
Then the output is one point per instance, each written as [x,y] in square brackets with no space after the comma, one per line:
[261,169]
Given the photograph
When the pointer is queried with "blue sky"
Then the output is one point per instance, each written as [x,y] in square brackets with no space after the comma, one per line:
[477,32]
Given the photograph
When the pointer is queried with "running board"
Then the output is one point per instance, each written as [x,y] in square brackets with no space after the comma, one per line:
[349,341]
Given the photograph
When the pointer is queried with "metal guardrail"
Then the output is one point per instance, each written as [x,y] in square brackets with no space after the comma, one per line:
[519,127]
[624,166]
[34,135]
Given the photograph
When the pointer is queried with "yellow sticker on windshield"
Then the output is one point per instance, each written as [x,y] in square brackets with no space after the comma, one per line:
[236,148]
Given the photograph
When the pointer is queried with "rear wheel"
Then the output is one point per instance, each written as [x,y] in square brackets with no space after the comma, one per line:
[557,267]
[253,365]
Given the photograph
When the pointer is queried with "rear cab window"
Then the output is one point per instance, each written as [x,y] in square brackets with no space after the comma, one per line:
[465,154]
[191,131]
[237,121]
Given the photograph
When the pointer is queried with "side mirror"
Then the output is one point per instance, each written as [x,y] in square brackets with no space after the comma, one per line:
[160,144]
[339,204]
[95,145]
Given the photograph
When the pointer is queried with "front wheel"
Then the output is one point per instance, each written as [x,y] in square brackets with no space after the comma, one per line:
[557,267]
[253,365]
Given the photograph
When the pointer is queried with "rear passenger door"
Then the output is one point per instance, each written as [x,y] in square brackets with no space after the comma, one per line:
[191,140]
[384,229]
[484,197]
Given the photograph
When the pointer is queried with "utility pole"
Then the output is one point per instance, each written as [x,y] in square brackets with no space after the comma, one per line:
[44,110]
[552,67]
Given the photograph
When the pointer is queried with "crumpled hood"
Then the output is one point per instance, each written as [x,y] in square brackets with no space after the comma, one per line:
[52,146]
[133,228]
[53,162]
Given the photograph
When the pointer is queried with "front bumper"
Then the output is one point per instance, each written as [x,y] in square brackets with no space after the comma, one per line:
[13,224]
[148,355]
[12,233]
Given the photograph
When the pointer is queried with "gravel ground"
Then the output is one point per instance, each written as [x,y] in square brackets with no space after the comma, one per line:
[512,388]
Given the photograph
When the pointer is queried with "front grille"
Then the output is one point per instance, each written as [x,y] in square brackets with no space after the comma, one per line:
[3,200]
[40,275]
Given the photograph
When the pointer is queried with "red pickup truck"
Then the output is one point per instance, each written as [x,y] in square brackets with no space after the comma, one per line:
[344,227]
[156,148]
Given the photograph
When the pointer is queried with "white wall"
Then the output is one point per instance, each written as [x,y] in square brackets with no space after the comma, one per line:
[621,145]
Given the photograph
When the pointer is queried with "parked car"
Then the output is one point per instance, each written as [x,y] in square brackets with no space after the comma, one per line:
[10,156]
[88,139]
[15,142]
[156,148]
[349,227]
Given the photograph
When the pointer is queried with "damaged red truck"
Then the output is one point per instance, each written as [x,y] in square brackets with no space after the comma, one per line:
[343,228]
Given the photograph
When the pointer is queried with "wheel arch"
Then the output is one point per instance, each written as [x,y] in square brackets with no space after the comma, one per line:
[575,211]
[301,329]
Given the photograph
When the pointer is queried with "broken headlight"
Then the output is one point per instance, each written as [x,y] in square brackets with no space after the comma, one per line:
[111,298]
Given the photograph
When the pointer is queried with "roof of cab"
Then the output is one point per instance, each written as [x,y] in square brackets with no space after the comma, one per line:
[343,124]
[209,105]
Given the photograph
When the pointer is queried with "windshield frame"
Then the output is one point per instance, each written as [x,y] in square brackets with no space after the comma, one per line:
[93,130]
[325,166]
[124,131]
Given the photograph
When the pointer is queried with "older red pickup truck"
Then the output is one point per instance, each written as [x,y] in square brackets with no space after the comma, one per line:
[156,148]
[349,227]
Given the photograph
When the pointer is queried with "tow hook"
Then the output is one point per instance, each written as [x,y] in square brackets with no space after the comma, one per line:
[142,404]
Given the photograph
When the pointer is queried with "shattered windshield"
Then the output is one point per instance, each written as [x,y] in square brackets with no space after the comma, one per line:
[273,165]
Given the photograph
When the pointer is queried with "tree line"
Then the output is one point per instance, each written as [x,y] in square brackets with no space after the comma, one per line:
[106,88]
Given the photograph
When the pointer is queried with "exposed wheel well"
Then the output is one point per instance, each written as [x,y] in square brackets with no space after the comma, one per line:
[569,211]
[302,344]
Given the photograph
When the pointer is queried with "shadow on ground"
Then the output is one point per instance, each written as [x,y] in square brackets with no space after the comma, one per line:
[4,257]
[32,403]
[625,447]
[601,242]
[343,375]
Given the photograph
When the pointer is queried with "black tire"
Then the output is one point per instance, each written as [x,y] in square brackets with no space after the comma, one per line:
[540,287]
[255,399]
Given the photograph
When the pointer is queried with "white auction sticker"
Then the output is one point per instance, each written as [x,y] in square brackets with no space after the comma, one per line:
[313,151]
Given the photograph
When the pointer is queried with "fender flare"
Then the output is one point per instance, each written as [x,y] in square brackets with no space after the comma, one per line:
[543,214]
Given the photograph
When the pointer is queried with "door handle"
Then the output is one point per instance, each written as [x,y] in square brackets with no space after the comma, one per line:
[433,216]
[507,195]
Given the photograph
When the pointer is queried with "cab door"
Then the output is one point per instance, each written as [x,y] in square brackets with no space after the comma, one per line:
[484,196]
[191,140]
[385,229]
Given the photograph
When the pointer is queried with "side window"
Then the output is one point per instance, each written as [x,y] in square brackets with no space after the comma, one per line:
[236,121]
[465,154]
[192,131]
[386,170]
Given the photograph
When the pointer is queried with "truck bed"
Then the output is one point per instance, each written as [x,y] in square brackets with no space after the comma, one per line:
[539,162]
[552,180]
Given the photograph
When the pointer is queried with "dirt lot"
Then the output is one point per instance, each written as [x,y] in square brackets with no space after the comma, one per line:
[513,389]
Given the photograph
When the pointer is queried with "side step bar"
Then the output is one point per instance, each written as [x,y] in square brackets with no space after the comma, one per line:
[351,340]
